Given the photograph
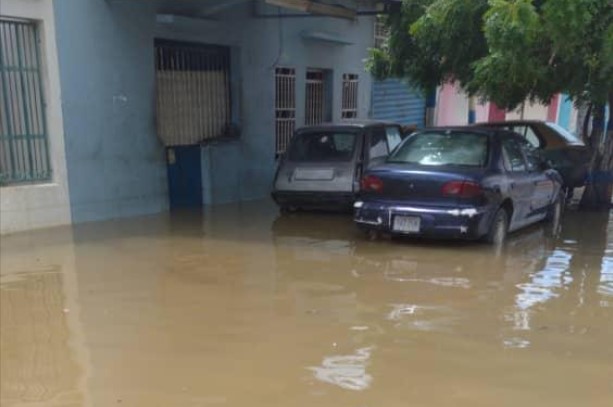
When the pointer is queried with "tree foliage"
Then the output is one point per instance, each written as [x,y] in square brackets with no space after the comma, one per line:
[506,51]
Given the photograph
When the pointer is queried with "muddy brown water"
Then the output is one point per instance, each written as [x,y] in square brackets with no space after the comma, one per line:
[237,306]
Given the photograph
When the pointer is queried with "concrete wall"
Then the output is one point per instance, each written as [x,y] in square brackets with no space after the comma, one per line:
[115,163]
[531,111]
[452,106]
[46,204]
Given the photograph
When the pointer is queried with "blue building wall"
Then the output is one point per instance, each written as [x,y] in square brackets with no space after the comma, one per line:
[566,107]
[116,164]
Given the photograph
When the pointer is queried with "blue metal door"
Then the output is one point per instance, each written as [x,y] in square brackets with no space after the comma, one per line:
[395,101]
[184,176]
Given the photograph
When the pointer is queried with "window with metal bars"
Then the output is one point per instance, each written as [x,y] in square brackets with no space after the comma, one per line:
[285,107]
[192,92]
[24,145]
[318,96]
[349,109]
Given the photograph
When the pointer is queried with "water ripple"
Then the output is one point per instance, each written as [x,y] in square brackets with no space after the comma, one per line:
[346,371]
[543,284]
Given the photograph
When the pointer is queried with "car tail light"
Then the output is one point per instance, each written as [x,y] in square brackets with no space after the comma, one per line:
[462,189]
[371,183]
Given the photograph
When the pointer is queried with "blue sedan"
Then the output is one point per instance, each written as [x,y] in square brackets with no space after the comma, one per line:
[468,183]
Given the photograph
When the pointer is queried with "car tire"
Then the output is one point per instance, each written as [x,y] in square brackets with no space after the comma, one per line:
[499,228]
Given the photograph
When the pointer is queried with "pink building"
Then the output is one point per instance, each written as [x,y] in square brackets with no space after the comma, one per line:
[453,109]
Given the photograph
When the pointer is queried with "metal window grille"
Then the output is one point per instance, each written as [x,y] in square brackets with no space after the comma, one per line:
[285,107]
[192,92]
[315,97]
[24,149]
[349,108]
[382,32]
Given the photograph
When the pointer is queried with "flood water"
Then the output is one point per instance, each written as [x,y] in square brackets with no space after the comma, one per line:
[237,306]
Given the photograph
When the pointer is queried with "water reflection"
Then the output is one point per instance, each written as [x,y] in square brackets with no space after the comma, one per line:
[606,275]
[37,362]
[232,306]
[346,371]
[422,317]
[543,284]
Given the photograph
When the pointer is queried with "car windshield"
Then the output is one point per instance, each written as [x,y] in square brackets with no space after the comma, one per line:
[443,148]
[322,146]
[567,135]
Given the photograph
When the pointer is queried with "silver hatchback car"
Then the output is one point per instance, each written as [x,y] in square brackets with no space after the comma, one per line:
[323,164]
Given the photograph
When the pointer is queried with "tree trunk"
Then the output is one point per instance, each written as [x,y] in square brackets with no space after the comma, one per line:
[599,187]
[583,122]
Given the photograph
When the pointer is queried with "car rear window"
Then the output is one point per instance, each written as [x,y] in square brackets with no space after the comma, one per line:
[322,146]
[443,148]
[567,135]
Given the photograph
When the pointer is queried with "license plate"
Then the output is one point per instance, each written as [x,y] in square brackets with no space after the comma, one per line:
[407,224]
[315,174]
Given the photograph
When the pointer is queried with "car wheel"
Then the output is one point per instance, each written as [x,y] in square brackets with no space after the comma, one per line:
[499,228]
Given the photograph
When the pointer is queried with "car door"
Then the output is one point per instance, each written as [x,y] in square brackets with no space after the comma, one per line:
[393,134]
[519,185]
[544,187]
[377,148]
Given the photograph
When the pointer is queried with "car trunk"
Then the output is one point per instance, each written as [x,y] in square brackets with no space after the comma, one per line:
[415,184]
[316,177]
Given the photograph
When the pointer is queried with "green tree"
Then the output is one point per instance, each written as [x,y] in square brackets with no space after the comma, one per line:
[511,51]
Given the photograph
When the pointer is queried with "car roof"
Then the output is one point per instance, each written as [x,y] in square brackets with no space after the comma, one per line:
[508,122]
[349,124]
[473,129]
[487,131]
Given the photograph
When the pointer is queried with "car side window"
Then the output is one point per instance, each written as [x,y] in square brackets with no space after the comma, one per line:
[393,136]
[532,138]
[533,159]
[514,161]
[378,143]
[527,133]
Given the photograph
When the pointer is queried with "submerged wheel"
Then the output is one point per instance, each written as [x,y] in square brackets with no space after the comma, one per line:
[499,228]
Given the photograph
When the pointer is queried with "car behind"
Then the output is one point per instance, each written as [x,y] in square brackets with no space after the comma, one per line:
[459,183]
[566,153]
[323,164]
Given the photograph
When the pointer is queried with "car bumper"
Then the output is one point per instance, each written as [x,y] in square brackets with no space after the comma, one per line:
[314,199]
[461,222]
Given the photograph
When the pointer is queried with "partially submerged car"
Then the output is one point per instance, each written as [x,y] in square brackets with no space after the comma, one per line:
[566,153]
[465,182]
[323,164]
